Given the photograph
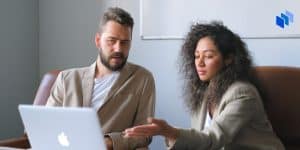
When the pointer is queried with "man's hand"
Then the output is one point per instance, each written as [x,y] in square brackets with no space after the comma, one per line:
[109,143]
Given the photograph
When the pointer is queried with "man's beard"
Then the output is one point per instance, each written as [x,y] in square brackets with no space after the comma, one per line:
[105,61]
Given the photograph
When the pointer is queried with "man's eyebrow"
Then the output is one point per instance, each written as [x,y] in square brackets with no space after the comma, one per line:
[115,38]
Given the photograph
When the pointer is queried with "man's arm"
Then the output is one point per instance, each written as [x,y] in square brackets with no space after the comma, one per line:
[145,109]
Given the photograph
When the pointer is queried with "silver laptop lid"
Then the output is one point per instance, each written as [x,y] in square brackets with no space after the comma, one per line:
[61,128]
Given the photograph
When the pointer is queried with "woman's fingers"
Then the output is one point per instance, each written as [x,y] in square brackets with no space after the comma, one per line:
[147,130]
[155,127]
[158,122]
[143,130]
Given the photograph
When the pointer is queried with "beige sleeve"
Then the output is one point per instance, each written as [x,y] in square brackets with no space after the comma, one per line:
[238,111]
[146,109]
[57,92]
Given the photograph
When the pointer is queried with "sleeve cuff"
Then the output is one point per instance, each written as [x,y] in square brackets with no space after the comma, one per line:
[180,142]
[118,141]
[170,144]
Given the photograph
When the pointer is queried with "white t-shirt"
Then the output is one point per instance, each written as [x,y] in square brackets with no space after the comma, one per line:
[101,88]
[207,120]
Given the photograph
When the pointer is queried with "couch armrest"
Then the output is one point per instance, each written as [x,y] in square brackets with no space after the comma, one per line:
[19,142]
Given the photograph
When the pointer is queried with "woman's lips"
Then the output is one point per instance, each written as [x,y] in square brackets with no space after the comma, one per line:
[201,72]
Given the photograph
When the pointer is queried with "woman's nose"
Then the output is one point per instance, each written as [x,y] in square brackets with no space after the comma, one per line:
[201,62]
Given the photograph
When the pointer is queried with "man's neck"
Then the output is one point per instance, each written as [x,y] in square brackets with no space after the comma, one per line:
[101,70]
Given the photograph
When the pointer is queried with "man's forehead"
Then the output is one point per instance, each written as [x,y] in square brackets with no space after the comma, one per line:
[115,36]
[115,25]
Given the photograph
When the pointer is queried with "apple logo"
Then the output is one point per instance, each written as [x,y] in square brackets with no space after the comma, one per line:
[63,139]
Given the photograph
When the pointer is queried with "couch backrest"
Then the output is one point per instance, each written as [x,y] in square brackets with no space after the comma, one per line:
[280,88]
[43,91]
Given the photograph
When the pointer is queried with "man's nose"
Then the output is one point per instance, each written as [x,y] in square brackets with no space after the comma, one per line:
[117,46]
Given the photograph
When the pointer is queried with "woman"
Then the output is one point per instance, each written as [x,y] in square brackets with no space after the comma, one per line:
[226,109]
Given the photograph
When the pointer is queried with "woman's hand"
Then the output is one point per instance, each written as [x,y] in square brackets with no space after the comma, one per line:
[155,127]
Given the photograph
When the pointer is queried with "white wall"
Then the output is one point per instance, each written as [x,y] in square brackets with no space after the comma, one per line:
[66,40]
[242,19]
[281,52]
[66,35]
[18,61]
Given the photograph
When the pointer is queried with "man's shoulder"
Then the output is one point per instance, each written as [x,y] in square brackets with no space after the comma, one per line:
[79,71]
[138,74]
[138,69]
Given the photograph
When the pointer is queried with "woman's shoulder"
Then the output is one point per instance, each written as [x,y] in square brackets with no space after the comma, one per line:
[241,85]
[241,88]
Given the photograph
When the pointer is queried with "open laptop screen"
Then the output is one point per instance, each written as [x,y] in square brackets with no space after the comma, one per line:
[62,128]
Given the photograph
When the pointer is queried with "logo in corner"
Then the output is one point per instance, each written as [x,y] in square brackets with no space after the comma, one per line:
[284,19]
[63,139]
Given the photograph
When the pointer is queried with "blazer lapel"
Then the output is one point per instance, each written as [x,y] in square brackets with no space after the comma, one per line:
[124,75]
[87,85]
[202,113]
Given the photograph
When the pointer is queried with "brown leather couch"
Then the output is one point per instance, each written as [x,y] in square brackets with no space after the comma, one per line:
[279,86]
[280,89]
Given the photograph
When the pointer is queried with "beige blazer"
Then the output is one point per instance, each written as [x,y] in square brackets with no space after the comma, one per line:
[129,102]
[239,123]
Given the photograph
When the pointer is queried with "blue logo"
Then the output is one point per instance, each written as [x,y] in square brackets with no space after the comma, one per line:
[284,19]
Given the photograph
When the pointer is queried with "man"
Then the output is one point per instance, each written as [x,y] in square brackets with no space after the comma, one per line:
[121,92]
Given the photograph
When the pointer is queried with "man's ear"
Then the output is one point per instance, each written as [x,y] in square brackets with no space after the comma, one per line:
[98,40]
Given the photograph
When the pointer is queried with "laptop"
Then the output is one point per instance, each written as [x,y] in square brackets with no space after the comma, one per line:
[60,128]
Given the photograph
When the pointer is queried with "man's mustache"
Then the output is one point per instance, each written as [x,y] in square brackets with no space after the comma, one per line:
[117,55]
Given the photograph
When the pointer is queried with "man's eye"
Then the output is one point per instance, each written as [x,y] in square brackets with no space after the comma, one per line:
[124,42]
[110,41]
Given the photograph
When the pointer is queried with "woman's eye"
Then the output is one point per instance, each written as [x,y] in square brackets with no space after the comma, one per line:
[208,56]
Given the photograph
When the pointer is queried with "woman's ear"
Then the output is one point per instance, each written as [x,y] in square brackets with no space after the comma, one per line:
[229,60]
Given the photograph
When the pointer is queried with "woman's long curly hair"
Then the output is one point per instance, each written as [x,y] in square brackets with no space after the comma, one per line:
[230,46]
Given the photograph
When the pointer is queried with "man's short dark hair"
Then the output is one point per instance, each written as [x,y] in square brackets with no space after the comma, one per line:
[118,15]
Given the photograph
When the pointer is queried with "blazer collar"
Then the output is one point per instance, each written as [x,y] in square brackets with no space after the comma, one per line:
[87,84]
[203,111]
[125,73]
